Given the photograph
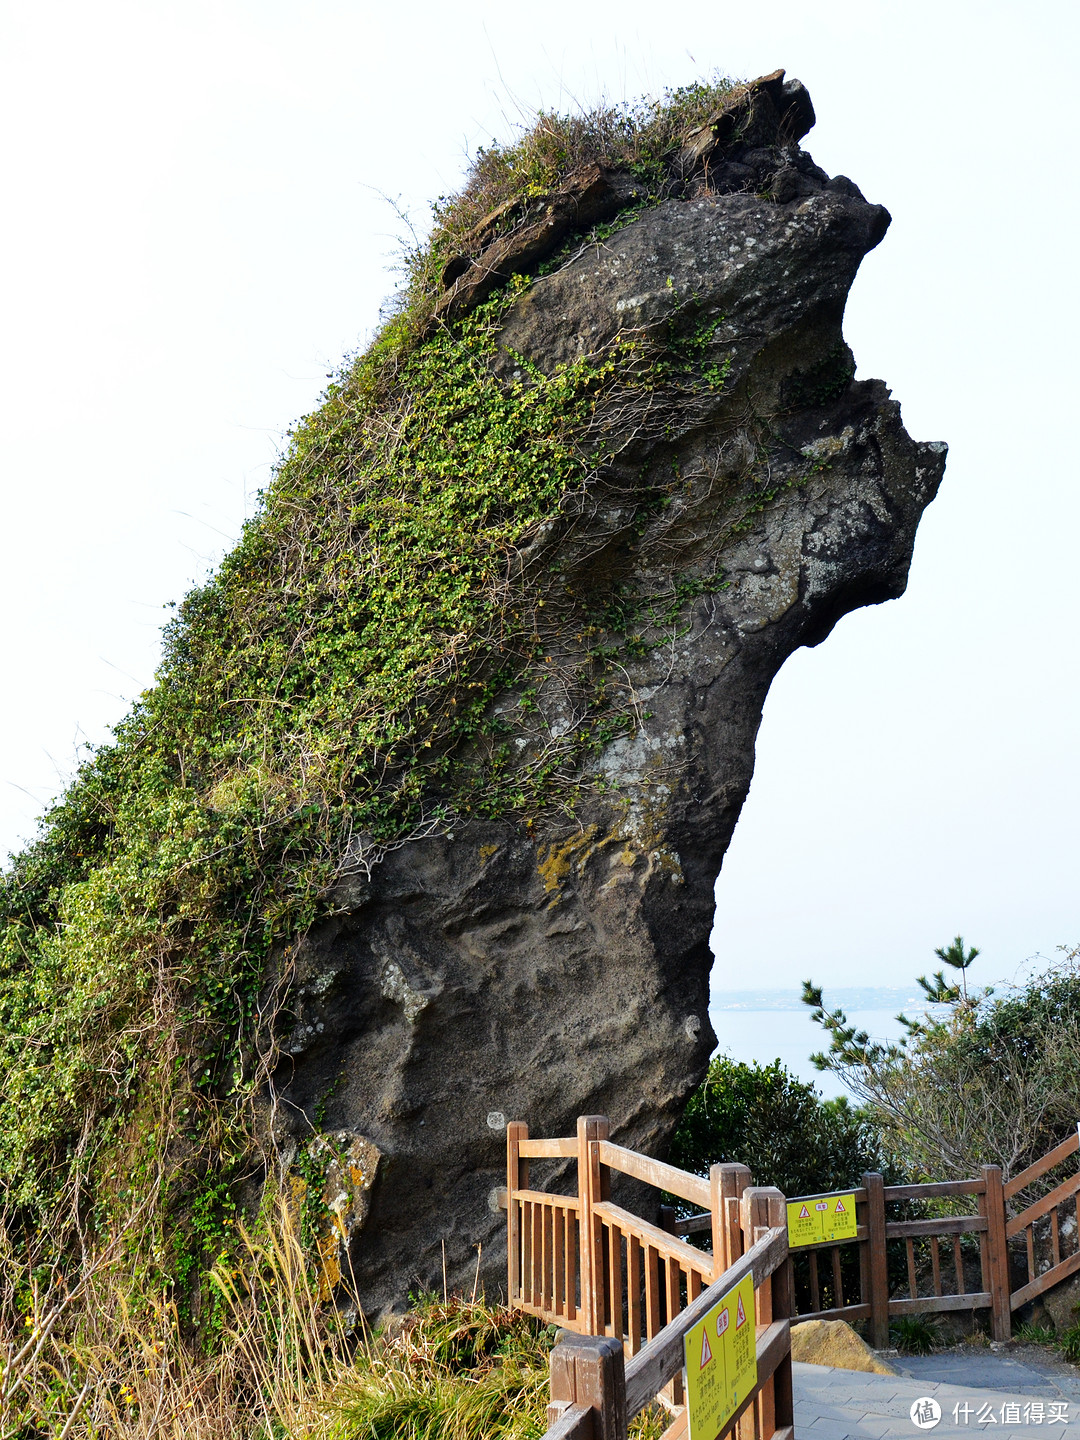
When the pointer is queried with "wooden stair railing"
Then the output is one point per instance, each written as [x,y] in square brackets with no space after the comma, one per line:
[596,1392]
[589,1264]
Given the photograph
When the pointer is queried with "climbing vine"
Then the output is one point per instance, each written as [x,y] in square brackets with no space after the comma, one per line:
[368,665]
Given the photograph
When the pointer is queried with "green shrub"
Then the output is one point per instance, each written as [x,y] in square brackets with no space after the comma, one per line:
[765,1117]
[1068,1342]
[992,1080]
[1035,1334]
[915,1335]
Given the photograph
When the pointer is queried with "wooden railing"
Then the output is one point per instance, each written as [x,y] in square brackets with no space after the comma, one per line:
[592,1266]
[873,1266]
[595,1392]
[1046,1208]
[596,1268]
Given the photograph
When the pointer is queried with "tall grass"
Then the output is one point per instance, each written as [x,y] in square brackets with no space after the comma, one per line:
[91,1360]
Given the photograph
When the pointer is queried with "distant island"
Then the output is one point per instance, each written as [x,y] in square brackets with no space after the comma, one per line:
[851,997]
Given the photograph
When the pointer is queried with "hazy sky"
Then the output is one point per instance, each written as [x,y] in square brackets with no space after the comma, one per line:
[197,230]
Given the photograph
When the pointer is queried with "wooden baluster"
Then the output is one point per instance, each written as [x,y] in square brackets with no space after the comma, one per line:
[517,1178]
[573,1250]
[674,1388]
[1055,1239]
[538,1254]
[634,1283]
[838,1279]
[652,1292]
[558,1260]
[545,1256]
[935,1261]
[913,1284]
[526,1252]
[615,1289]
[815,1293]
[958,1261]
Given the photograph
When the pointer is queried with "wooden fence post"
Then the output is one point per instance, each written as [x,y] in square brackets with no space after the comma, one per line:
[590,1370]
[726,1185]
[517,1178]
[593,1182]
[992,1205]
[877,1266]
[764,1207]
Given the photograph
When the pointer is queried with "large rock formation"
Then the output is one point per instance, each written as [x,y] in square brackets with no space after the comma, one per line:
[544,971]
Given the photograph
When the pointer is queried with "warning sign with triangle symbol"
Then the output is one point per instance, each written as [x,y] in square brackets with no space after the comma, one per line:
[721,1361]
[804,1213]
[840,1210]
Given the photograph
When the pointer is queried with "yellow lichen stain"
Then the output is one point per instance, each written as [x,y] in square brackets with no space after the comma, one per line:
[486,852]
[345,1197]
[329,1261]
[556,861]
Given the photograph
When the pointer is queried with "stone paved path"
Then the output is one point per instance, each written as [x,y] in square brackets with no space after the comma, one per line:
[995,1394]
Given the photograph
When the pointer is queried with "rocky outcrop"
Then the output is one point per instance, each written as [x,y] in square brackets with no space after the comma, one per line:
[542,971]
[835,1343]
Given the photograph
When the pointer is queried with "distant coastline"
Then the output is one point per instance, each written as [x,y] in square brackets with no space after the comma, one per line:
[848,997]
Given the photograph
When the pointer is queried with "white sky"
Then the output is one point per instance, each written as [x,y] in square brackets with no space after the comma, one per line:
[195,236]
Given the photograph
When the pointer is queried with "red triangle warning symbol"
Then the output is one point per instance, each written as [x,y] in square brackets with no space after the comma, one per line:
[740,1314]
[840,1208]
[706,1353]
[804,1213]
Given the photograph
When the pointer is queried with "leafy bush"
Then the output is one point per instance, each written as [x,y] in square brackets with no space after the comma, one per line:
[994,1080]
[765,1117]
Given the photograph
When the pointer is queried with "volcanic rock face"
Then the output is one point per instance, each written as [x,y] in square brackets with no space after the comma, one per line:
[541,972]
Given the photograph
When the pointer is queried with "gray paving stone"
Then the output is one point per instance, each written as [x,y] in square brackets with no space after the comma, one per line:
[851,1405]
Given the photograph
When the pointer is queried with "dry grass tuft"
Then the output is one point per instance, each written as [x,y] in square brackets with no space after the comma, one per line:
[91,1362]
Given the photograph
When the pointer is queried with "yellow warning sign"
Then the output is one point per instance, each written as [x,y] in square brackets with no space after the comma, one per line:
[721,1361]
[813,1222]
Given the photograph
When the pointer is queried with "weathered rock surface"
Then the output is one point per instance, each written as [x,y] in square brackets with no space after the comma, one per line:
[539,973]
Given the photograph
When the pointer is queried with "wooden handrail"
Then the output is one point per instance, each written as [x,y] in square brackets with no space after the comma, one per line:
[694,1224]
[1049,1202]
[655,1172]
[934,1188]
[858,1191]
[946,1225]
[666,1245]
[563,1147]
[545,1197]
[575,1423]
[1040,1167]
[658,1361]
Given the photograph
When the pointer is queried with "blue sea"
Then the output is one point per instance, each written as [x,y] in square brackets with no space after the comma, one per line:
[774,1025]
